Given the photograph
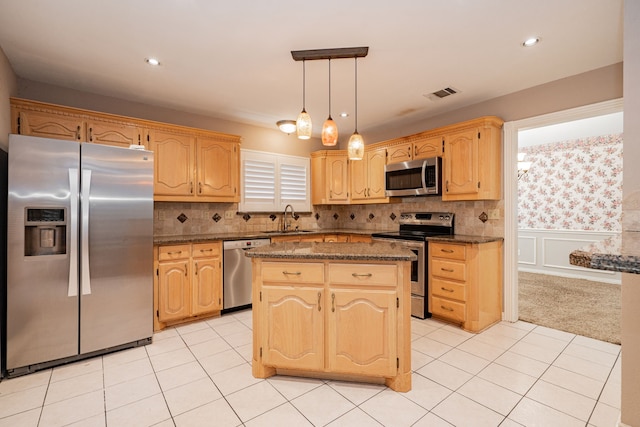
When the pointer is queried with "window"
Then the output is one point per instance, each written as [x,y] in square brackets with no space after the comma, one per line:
[272,181]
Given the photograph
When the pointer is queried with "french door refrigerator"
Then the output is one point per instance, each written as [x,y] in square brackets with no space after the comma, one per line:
[79,251]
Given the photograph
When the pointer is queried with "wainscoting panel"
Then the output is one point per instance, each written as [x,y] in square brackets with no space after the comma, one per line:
[547,252]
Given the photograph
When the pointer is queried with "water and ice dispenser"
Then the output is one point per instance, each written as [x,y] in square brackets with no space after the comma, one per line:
[45,231]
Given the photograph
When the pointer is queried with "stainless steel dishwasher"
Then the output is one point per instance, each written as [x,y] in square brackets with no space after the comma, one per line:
[236,288]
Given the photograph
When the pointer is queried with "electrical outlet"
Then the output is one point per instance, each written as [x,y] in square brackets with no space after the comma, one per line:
[228,214]
[494,213]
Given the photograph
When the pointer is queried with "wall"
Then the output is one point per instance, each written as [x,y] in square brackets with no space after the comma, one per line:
[572,185]
[594,86]
[202,218]
[631,216]
[8,87]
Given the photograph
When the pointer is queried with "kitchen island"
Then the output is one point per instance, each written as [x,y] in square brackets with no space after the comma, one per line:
[333,310]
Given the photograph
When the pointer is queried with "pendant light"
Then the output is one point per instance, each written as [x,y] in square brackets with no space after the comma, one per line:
[355,148]
[303,124]
[329,129]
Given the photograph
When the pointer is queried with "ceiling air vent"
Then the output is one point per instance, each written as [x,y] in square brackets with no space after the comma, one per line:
[442,93]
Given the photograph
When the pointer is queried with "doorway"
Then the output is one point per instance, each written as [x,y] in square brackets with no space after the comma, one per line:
[510,171]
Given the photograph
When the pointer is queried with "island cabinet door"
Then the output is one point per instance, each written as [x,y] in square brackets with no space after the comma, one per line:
[361,331]
[294,335]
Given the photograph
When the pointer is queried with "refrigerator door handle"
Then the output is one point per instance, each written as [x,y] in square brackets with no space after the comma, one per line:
[72,290]
[86,190]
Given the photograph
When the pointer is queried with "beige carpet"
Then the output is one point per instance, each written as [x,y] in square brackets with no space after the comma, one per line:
[579,306]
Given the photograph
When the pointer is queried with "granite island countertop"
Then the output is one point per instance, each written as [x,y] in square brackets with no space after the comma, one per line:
[375,251]
[617,253]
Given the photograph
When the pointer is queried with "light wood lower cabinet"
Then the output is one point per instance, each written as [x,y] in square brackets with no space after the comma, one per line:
[188,282]
[465,283]
[332,319]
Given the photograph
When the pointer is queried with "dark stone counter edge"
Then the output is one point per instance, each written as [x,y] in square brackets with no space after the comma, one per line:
[609,262]
[342,256]
[203,238]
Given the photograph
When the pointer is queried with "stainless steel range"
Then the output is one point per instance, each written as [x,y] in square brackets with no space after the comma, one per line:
[414,230]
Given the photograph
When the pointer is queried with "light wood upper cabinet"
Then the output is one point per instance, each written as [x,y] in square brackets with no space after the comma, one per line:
[191,165]
[461,163]
[415,148]
[217,168]
[428,147]
[472,162]
[329,177]
[119,135]
[189,168]
[174,159]
[367,177]
[47,124]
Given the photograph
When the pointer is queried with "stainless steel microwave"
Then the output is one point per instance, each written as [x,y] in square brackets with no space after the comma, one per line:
[414,178]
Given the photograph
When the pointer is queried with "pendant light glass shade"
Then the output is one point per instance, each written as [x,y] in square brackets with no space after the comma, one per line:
[329,129]
[329,132]
[303,124]
[355,148]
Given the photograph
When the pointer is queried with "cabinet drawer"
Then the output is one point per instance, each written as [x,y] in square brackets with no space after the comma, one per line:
[449,251]
[449,289]
[363,274]
[293,272]
[451,310]
[449,269]
[174,252]
[201,250]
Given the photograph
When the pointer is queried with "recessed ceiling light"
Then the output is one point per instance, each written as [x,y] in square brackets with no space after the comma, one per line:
[344,115]
[152,61]
[532,41]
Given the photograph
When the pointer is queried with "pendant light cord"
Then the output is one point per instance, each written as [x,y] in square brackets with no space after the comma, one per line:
[356,87]
[330,89]
[304,86]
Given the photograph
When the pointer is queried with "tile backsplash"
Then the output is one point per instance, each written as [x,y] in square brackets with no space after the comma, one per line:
[175,219]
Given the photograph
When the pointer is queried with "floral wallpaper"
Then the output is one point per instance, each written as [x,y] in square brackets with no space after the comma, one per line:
[573,185]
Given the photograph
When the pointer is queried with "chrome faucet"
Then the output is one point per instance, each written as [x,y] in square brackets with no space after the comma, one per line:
[286,225]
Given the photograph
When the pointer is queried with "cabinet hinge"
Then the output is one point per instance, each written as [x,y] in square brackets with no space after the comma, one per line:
[397,302]
[443,146]
[18,125]
[398,362]
[158,314]
[157,272]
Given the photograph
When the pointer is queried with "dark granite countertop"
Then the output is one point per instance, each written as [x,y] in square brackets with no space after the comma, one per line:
[618,253]
[201,238]
[464,238]
[376,251]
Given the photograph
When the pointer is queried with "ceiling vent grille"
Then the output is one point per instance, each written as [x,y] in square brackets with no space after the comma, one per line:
[442,93]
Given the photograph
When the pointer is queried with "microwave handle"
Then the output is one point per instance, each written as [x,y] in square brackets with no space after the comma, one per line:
[424,174]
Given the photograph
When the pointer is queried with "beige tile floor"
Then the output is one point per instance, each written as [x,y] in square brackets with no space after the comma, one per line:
[513,374]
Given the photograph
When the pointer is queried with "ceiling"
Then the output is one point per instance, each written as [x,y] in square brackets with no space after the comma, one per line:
[232,59]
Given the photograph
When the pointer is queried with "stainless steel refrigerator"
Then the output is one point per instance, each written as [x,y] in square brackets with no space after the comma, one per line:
[79,251]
